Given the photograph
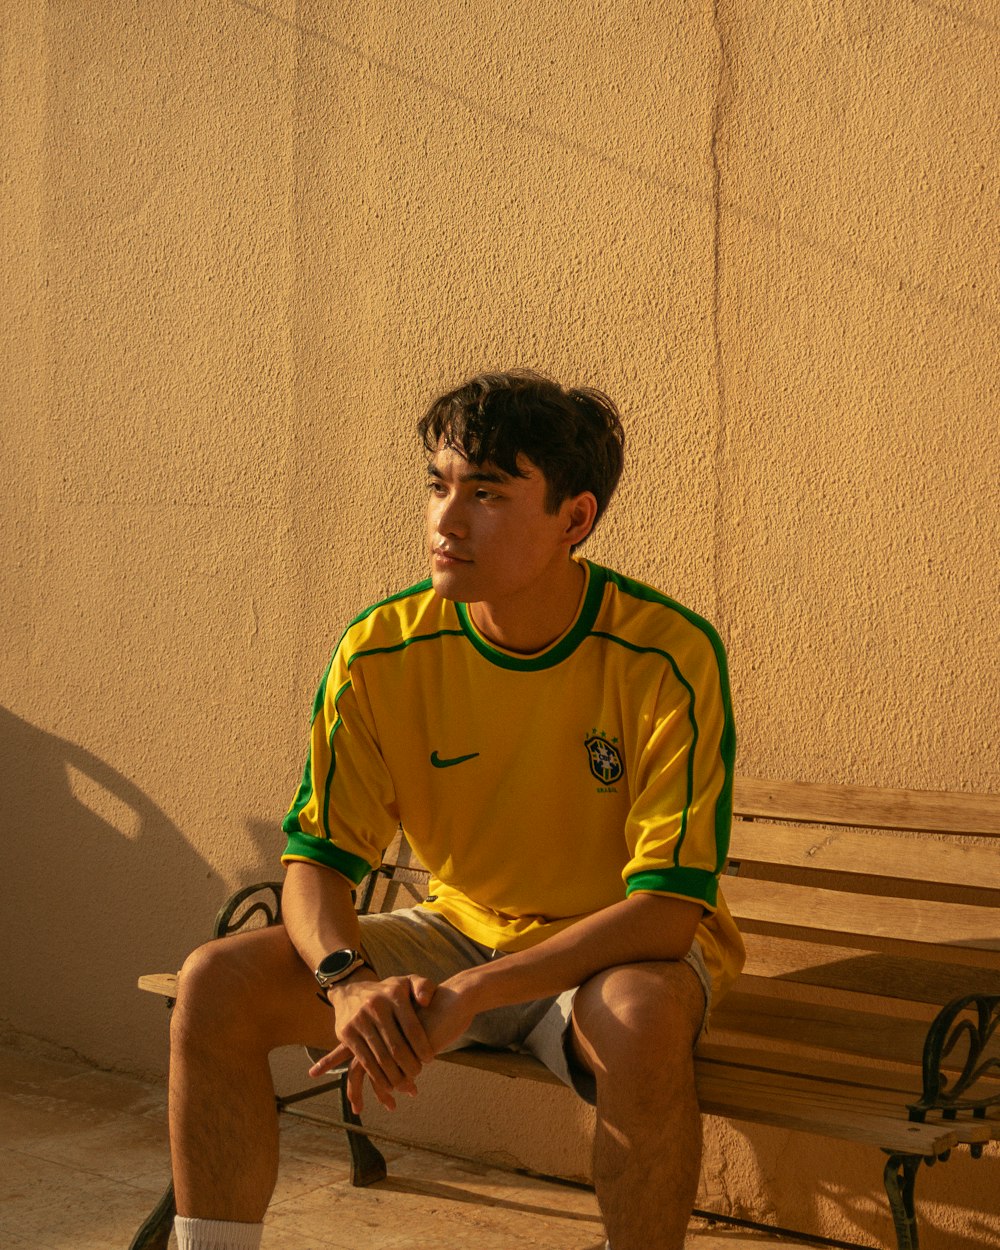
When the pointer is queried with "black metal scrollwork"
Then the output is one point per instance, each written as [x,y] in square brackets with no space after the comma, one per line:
[234,916]
[972,1022]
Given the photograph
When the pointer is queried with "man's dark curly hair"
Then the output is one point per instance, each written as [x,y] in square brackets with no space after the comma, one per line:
[573,435]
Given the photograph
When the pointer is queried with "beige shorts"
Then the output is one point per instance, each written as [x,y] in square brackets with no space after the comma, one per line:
[417,940]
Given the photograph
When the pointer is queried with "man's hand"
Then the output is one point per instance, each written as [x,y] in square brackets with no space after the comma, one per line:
[380,1035]
[389,1029]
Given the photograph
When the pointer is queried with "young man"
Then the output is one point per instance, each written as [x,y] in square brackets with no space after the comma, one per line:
[557,742]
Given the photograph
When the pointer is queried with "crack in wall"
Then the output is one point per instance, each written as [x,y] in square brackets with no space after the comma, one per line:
[720,443]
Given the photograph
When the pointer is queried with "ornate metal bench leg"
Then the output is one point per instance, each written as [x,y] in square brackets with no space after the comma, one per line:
[155,1233]
[900,1177]
[367,1163]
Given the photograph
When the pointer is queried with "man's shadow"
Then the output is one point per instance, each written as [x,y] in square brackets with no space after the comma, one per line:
[99,886]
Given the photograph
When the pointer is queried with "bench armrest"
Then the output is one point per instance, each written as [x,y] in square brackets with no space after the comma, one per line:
[971,1022]
[243,906]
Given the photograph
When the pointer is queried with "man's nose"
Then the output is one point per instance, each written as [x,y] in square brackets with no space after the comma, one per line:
[451,518]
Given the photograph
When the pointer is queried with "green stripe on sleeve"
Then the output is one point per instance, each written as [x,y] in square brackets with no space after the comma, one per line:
[291,822]
[727,741]
[333,755]
[697,884]
[322,851]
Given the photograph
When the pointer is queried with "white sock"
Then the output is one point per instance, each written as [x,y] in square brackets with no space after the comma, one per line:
[216,1234]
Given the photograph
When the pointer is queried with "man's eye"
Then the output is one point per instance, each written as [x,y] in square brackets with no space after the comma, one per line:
[486,494]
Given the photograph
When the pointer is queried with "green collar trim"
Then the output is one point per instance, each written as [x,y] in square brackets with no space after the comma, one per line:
[593,596]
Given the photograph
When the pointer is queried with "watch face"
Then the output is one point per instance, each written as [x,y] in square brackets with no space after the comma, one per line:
[336,964]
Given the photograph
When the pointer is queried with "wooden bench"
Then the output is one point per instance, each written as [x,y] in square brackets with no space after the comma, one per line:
[869,1008]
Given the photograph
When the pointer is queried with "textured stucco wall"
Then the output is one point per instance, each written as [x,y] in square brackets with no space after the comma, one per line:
[243,243]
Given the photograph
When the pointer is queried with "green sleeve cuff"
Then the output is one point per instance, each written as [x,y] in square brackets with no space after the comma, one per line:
[695,883]
[322,851]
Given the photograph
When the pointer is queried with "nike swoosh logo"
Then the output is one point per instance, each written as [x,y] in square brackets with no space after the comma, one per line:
[438,762]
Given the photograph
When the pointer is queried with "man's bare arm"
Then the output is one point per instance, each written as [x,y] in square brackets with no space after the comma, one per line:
[318,911]
[639,929]
[377,1022]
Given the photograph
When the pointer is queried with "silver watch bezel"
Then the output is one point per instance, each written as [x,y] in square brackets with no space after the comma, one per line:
[342,963]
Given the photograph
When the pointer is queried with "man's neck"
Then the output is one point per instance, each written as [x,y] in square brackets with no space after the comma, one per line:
[530,625]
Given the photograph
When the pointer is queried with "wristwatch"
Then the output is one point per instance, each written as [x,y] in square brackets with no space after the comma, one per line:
[337,966]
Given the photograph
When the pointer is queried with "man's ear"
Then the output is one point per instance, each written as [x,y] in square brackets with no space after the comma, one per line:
[581,513]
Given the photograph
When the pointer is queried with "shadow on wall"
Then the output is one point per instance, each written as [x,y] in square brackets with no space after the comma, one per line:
[269,840]
[100,887]
[950,1205]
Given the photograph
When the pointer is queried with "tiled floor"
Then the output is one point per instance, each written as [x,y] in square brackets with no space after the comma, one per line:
[83,1158]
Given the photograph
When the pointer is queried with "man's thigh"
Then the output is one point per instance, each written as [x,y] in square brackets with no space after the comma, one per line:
[415,940]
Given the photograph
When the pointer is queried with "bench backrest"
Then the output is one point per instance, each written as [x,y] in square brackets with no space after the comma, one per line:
[863,912]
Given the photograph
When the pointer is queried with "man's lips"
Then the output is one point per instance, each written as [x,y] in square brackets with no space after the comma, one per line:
[449,557]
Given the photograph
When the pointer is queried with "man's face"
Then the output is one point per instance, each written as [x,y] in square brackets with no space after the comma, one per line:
[491,536]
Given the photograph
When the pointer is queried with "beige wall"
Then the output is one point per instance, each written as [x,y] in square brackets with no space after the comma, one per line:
[243,243]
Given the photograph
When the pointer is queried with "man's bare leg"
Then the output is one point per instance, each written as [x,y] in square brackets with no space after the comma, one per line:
[634,1027]
[238,999]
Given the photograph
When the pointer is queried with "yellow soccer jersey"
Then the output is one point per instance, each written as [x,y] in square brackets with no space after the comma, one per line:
[537,789]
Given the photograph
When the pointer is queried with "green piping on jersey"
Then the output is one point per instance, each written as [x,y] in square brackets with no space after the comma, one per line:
[631,646]
[323,851]
[407,642]
[399,646]
[694,883]
[338,723]
[290,824]
[417,588]
[333,757]
[727,741]
[559,651]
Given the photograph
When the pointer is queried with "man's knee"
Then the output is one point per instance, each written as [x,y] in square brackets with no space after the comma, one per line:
[227,988]
[639,1022]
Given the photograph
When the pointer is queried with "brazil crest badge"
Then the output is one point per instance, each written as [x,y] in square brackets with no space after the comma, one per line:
[605,759]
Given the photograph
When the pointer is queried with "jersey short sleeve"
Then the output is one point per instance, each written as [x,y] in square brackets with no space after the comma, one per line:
[344,813]
[677,831]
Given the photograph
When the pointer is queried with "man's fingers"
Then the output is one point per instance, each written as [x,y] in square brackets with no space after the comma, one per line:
[335,1059]
[355,1090]
[395,1034]
[414,1032]
[381,1069]
[422,990]
[382,1037]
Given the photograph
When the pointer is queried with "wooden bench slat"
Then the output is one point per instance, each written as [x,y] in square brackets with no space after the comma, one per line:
[775,1018]
[752,1058]
[874,972]
[958,933]
[782,1107]
[507,1063]
[796,993]
[929,811]
[828,1096]
[900,1085]
[873,1115]
[887,856]
[164,983]
[816,1029]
